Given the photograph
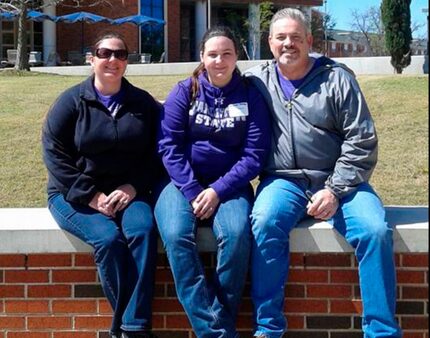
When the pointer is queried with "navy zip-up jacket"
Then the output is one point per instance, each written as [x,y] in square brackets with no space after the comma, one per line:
[86,150]
[220,140]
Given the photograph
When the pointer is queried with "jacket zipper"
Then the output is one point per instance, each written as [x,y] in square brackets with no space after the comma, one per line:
[289,107]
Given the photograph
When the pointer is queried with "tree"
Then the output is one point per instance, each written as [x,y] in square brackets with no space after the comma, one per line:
[396,16]
[266,11]
[22,6]
[369,23]
[322,24]
[249,32]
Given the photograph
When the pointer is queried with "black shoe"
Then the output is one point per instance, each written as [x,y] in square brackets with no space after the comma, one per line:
[138,334]
[115,334]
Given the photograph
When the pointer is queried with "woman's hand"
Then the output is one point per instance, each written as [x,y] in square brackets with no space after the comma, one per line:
[119,198]
[98,203]
[324,205]
[205,203]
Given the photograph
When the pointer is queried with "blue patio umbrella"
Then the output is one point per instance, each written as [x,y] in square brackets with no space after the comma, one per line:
[40,16]
[82,17]
[31,15]
[138,20]
[8,16]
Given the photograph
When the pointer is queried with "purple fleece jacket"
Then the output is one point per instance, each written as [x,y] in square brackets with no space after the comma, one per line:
[220,140]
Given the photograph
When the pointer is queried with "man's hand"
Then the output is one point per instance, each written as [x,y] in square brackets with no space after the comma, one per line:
[205,203]
[324,205]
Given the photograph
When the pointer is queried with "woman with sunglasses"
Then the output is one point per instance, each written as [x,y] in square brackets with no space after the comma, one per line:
[215,137]
[99,141]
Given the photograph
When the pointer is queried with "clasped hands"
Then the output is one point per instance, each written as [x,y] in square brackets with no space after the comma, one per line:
[116,201]
[324,205]
[205,204]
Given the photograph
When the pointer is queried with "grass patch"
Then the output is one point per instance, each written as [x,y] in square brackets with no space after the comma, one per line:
[399,105]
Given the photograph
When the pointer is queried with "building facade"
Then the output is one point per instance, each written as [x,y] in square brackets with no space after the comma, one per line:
[176,41]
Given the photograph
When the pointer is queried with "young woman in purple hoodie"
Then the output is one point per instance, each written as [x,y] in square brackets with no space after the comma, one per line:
[215,134]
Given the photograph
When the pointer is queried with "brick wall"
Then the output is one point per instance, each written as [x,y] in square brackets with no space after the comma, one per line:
[75,36]
[59,296]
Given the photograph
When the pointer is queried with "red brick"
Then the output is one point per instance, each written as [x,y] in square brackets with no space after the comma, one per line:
[26,334]
[26,306]
[166,305]
[415,260]
[414,323]
[294,291]
[346,306]
[12,322]
[11,291]
[26,276]
[104,307]
[297,259]
[74,306]
[244,321]
[245,306]
[158,322]
[295,322]
[49,260]
[93,322]
[330,260]
[163,276]
[415,292]
[329,291]
[12,261]
[74,276]
[177,322]
[410,277]
[74,334]
[305,305]
[84,260]
[308,276]
[52,322]
[49,291]
[397,259]
[413,335]
[344,276]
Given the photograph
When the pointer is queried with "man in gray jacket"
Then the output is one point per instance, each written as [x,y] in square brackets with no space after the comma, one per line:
[324,149]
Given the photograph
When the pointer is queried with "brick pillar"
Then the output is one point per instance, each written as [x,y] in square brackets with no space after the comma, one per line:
[173,30]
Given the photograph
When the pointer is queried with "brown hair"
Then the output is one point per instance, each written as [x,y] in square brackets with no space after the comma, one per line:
[109,35]
[211,33]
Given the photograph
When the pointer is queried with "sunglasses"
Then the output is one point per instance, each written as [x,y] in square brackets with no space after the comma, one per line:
[106,53]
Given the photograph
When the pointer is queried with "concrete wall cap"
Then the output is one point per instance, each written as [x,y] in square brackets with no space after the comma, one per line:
[30,230]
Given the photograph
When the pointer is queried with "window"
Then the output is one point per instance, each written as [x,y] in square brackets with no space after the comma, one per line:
[152,37]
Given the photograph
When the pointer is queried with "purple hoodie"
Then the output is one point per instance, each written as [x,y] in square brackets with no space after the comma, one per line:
[220,141]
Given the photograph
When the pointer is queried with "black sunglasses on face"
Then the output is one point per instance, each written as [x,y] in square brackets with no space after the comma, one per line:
[106,53]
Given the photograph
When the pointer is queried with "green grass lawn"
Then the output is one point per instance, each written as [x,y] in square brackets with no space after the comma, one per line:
[399,105]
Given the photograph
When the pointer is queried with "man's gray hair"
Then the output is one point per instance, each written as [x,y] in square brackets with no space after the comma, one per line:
[293,14]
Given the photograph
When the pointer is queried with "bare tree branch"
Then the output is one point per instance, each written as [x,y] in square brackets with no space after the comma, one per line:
[369,24]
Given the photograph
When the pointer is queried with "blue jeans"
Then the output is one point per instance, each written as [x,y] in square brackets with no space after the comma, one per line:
[280,204]
[125,249]
[211,305]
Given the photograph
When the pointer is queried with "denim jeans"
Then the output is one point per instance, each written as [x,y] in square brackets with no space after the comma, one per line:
[211,305]
[125,249]
[280,204]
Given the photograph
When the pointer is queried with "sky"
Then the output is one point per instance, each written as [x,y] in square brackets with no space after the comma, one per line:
[340,10]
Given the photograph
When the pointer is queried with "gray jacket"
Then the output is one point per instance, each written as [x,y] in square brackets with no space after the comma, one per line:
[325,133]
